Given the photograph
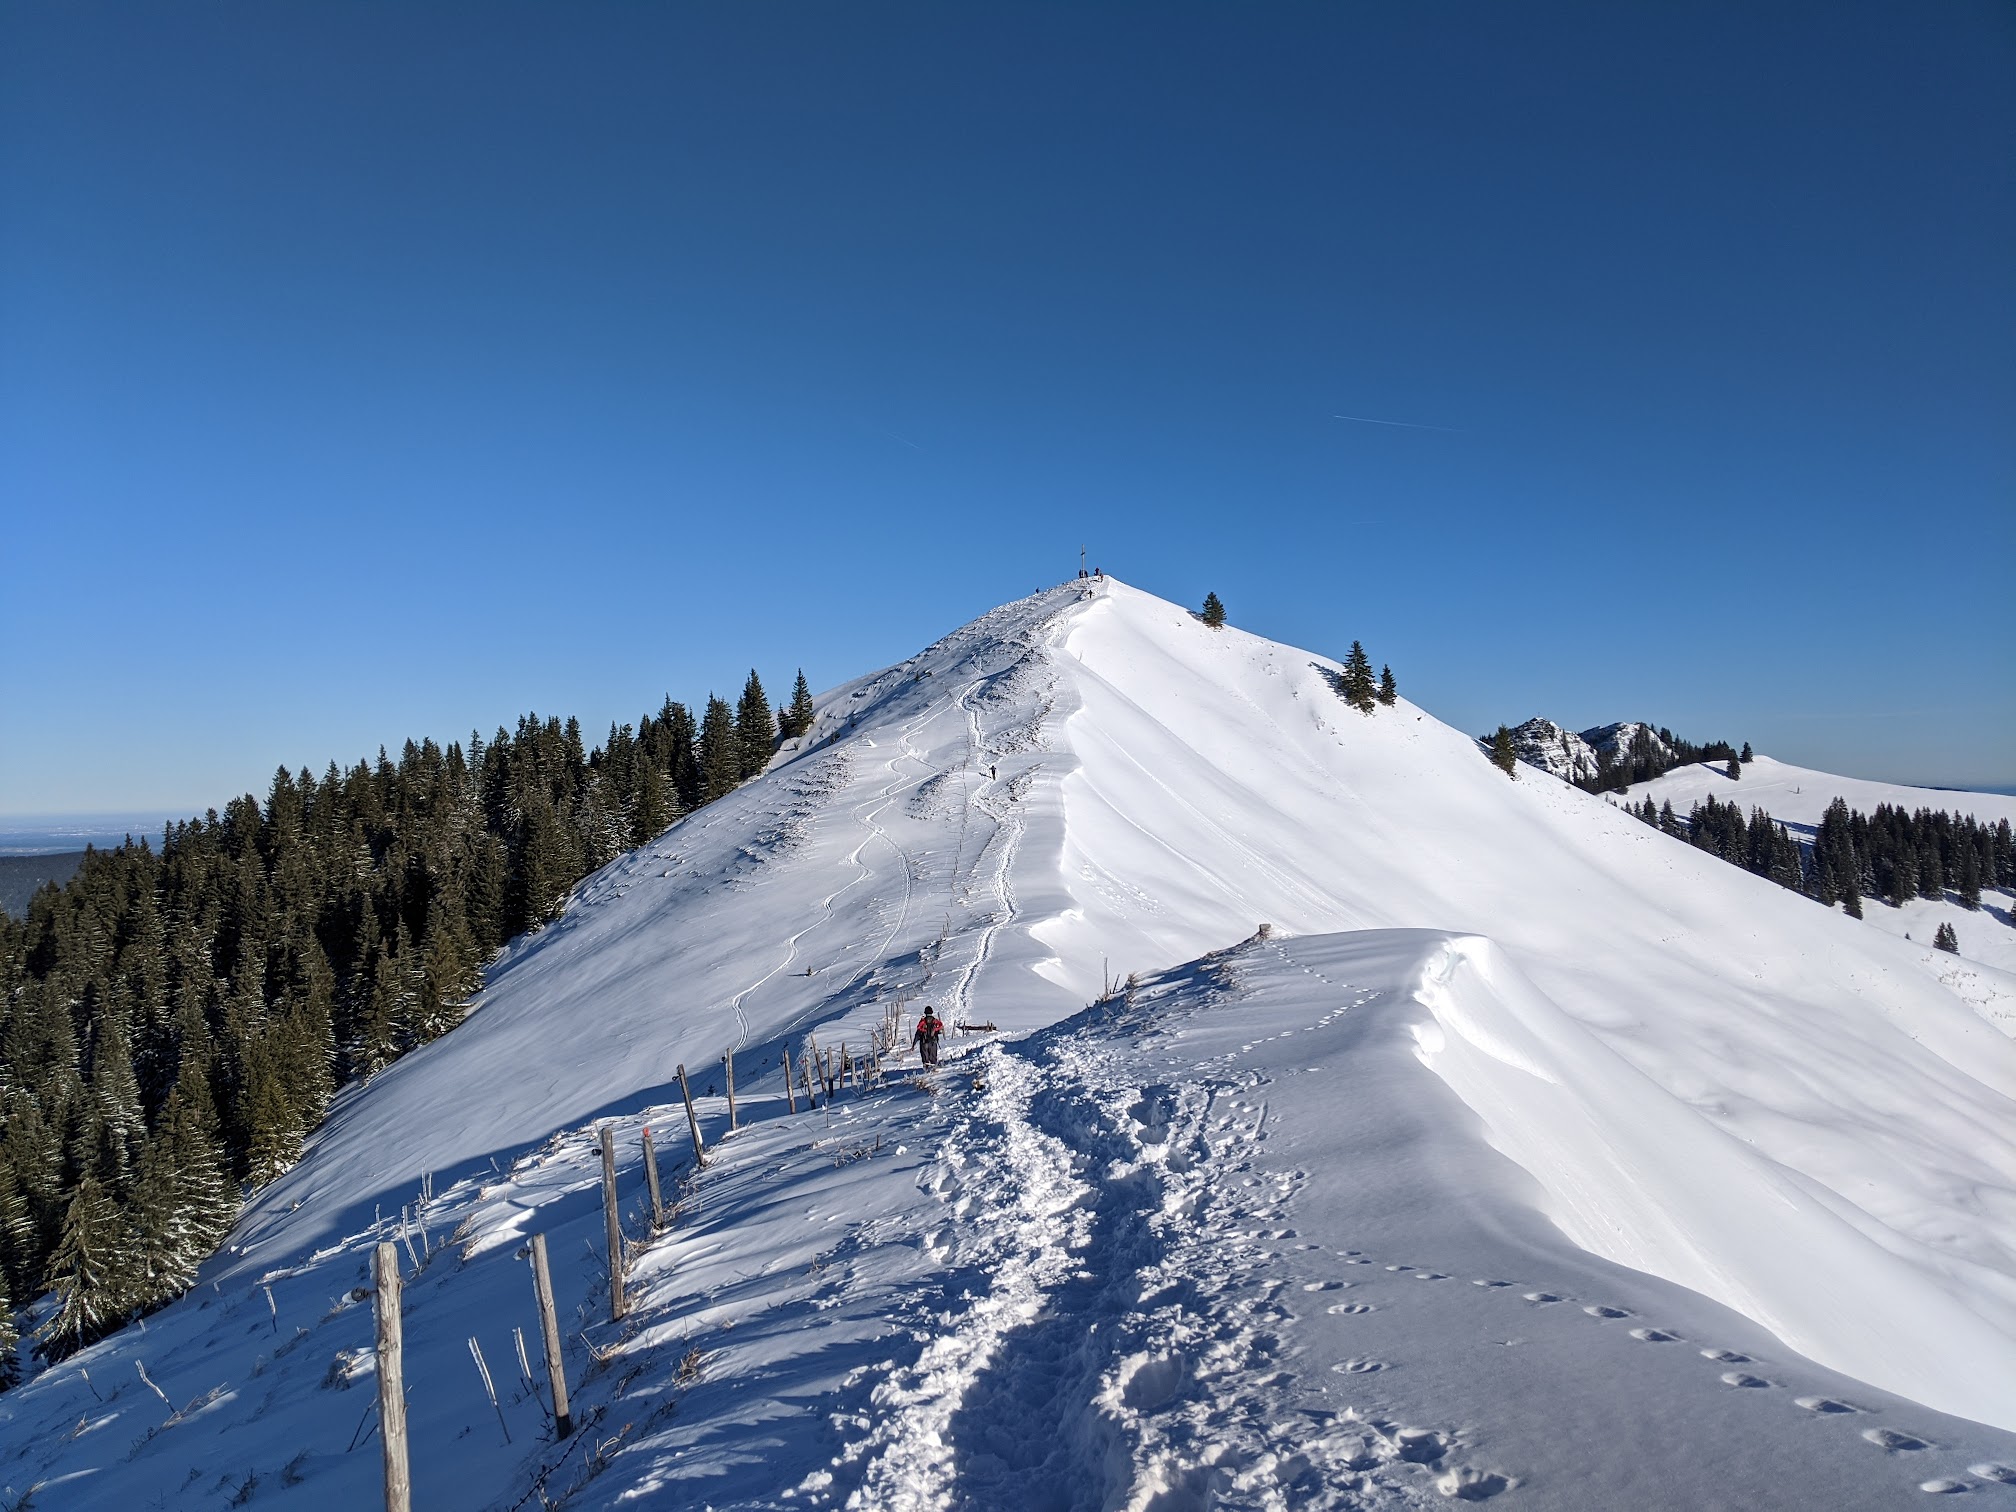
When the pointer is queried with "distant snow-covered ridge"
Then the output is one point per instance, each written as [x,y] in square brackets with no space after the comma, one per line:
[1798,796]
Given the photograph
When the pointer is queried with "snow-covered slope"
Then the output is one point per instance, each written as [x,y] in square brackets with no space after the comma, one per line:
[1798,796]
[1681,1068]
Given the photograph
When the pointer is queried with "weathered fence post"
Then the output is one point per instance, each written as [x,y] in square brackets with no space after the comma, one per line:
[549,1327]
[692,1120]
[391,1380]
[618,1305]
[651,1180]
[728,1060]
[790,1090]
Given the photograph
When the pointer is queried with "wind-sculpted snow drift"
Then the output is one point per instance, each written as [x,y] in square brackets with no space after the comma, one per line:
[1214,1239]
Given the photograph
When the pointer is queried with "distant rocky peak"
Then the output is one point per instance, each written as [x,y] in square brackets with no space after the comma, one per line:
[1619,740]
[1560,753]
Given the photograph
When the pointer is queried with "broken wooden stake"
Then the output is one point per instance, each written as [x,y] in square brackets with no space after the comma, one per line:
[549,1329]
[651,1180]
[692,1120]
[618,1305]
[391,1379]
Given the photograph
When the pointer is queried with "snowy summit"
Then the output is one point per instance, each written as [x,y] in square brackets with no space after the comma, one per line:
[1429,1136]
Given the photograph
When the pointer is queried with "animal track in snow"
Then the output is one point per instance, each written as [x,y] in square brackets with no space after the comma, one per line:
[1431,1276]
[1600,1311]
[1542,1297]
[1994,1470]
[1738,1378]
[1491,1283]
[1353,1308]
[1465,1484]
[1725,1356]
[1824,1404]
[1358,1367]
[1890,1438]
[1654,1335]
[1945,1485]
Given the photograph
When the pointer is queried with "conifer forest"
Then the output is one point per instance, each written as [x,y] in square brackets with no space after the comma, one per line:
[175,1019]
[1892,854]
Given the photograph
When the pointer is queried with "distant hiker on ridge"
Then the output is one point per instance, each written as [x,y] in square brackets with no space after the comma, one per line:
[925,1039]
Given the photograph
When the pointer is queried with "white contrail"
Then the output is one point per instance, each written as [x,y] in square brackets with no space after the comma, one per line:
[1403,424]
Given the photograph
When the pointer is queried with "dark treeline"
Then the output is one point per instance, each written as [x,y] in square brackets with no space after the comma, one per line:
[1893,854]
[1642,759]
[175,1019]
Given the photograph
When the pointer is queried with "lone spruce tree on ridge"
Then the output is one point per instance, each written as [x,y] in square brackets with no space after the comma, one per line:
[1358,688]
[1503,756]
[797,720]
[1214,612]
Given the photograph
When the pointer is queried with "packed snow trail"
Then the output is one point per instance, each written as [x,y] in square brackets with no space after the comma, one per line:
[1230,1243]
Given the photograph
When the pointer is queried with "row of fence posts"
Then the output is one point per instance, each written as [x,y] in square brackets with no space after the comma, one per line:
[834,1067]
[389,1284]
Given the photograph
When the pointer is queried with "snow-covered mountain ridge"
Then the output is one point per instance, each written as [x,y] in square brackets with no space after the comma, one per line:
[1701,1080]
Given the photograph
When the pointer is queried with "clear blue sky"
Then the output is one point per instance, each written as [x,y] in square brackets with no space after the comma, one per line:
[375,370]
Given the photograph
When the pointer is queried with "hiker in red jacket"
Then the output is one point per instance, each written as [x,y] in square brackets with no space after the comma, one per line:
[929,1027]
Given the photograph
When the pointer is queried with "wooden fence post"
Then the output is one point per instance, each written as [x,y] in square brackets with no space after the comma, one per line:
[790,1090]
[692,1120]
[728,1060]
[618,1304]
[549,1326]
[392,1380]
[651,1180]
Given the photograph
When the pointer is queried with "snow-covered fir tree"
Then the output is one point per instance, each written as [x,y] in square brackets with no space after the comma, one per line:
[10,1339]
[91,1272]
[796,720]
[755,733]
